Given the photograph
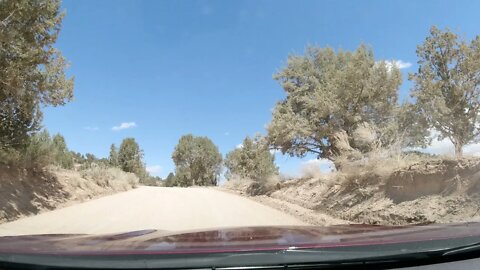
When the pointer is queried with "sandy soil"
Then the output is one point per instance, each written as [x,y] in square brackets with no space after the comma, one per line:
[309,216]
[171,209]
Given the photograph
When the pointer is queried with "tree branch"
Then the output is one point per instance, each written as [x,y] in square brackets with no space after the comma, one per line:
[5,21]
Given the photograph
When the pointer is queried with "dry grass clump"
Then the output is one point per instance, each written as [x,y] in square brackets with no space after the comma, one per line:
[378,162]
[311,170]
[388,185]
[110,177]
[252,187]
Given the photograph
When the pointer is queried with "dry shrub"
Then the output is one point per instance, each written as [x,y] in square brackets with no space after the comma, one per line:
[365,135]
[377,163]
[110,177]
[381,161]
[251,187]
[311,170]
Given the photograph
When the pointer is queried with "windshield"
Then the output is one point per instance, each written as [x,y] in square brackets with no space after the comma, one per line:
[285,124]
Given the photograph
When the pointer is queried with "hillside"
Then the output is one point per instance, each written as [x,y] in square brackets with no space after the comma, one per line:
[26,192]
[427,191]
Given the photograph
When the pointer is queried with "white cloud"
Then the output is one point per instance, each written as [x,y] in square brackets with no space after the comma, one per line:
[314,167]
[401,65]
[442,147]
[124,125]
[226,133]
[239,146]
[398,63]
[154,169]
[446,147]
[275,151]
[91,128]
[325,163]
[472,149]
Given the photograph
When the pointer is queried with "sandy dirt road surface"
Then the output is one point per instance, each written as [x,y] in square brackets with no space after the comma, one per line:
[170,209]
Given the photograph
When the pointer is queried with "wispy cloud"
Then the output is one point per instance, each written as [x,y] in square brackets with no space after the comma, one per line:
[226,133]
[316,167]
[154,170]
[323,164]
[124,125]
[472,149]
[239,146]
[446,147]
[91,128]
[398,63]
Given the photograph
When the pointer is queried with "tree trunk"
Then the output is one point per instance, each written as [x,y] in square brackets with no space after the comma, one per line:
[458,149]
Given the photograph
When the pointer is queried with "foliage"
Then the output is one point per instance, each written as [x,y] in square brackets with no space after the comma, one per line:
[10,157]
[31,69]
[63,157]
[412,127]
[252,160]
[130,157]
[110,177]
[447,86]
[78,158]
[113,156]
[252,187]
[153,181]
[89,161]
[330,92]
[39,151]
[17,121]
[197,161]
[170,180]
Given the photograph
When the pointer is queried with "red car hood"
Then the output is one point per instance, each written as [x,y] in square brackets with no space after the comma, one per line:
[233,239]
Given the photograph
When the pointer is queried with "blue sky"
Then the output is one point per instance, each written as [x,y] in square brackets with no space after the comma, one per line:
[168,68]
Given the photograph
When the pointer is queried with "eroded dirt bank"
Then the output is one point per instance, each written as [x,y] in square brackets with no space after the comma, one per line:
[434,191]
[26,193]
[429,191]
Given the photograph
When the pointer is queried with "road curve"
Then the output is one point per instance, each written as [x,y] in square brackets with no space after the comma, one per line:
[170,209]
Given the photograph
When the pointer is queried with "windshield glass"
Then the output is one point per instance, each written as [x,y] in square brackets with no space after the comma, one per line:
[243,125]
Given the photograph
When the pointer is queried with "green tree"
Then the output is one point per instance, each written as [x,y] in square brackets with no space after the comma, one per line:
[197,161]
[18,120]
[32,71]
[252,160]
[78,158]
[328,93]
[39,151]
[170,180]
[447,86]
[89,160]
[113,157]
[412,126]
[130,157]
[63,157]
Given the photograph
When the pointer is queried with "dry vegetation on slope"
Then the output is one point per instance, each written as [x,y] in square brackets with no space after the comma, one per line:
[433,190]
[25,193]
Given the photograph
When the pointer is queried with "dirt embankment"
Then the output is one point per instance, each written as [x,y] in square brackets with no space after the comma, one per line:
[433,191]
[429,191]
[26,193]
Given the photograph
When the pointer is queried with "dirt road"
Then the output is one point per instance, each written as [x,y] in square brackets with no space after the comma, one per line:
[170,209]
